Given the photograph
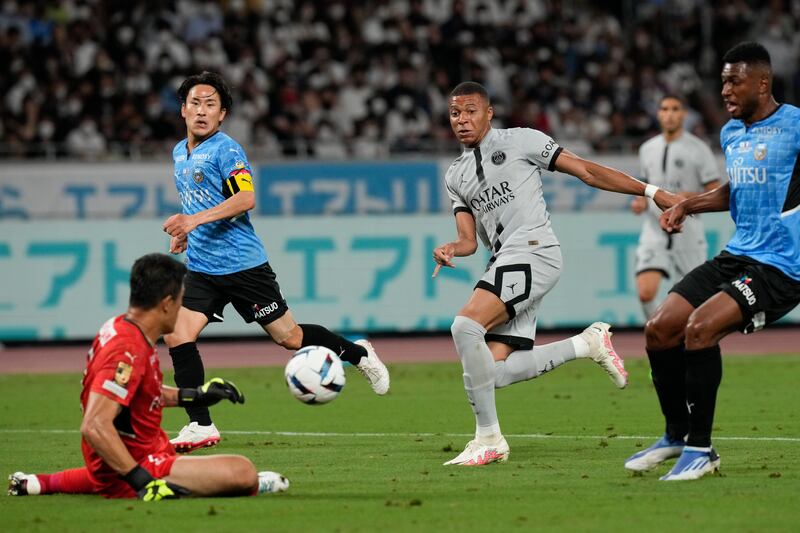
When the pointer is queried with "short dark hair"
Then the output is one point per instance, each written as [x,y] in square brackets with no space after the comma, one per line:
[207,78]
[748,52]
[470,87]
[673,96]
[153,278]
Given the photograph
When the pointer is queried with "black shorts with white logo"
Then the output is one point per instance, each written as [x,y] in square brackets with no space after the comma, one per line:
[254,293]
[763,292]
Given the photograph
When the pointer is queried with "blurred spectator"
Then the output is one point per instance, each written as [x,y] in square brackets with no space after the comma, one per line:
[85,141]
[338,79]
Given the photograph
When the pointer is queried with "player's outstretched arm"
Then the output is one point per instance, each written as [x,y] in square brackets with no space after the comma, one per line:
[610,179]
[464,245]
[98,430]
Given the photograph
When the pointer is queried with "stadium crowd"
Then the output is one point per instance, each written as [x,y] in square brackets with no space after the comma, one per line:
[336,79]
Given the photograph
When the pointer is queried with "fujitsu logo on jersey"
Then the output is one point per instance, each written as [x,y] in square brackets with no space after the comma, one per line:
[742,175]
[190,196]
[489,199]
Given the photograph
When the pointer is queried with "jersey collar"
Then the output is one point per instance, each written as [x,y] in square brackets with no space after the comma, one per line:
[774,112]
[188,153]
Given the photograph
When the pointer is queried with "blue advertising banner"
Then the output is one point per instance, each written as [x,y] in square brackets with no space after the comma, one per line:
[348,188]
[350,273]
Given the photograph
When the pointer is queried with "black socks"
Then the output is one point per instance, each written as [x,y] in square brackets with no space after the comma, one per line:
[189,372]
[314,335]
[703,376]
[669,377]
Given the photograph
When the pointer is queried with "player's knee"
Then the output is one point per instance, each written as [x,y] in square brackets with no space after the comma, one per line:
[659,333]
[463,327]
[647,294]
[699,332]
[244,475]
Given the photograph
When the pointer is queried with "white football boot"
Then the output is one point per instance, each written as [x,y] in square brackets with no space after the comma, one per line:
[271,482]
[647,459]
[22,484]
[373,369]
[195,436]
[477,454]
[602,352]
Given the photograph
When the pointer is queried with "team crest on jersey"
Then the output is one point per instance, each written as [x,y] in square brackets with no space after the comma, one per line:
[238,165]
[760,151]
[123,374]
[198,175]
[498,157]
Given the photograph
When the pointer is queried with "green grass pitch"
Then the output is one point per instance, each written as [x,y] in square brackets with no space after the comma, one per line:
[368,463]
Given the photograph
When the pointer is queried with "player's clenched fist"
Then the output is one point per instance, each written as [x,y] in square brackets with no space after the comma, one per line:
[213,391]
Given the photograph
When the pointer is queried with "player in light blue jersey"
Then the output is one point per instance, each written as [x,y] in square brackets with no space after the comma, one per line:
[226,260]
[753,282]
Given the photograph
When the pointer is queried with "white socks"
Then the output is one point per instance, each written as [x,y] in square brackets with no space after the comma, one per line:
[648,308]
[479,375]
[523,365]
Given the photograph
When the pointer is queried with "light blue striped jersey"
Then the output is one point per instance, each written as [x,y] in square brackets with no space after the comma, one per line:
[764,176]
[204,179]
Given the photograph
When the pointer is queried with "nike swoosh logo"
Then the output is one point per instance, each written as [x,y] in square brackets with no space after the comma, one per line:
[215,315]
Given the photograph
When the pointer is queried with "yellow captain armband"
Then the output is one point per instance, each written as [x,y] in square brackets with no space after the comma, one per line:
[238,180]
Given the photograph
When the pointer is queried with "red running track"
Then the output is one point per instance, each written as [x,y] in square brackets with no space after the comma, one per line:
[401,349]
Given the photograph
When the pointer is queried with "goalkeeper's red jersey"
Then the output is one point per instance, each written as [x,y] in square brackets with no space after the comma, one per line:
[123,366]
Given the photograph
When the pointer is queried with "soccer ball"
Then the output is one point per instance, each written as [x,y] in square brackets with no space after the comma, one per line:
[315,375]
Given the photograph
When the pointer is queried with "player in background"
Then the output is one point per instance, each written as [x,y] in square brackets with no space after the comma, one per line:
[752,283]
[496,191]
[126,452]
[677,161]
[227,261]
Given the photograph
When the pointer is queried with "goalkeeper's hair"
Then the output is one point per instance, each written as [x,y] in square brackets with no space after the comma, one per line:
[470,87]
[207,78]
[750,53]
[153,278]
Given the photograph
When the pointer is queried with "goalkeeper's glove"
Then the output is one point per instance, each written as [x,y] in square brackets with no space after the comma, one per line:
[149,489]
[213,391]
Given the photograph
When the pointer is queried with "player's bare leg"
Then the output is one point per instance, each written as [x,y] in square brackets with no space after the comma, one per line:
[189,372]
[223,475]
[647,283]
[483,311]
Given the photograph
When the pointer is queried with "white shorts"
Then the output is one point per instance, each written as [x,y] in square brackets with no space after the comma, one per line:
[521,278]
[672,263]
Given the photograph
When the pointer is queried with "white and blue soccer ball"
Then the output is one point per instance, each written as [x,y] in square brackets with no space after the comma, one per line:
[315,375]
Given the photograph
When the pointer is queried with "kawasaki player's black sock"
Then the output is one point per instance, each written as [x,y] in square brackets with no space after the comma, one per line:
[189,372]
[314,335]
[703,376]
[669,377]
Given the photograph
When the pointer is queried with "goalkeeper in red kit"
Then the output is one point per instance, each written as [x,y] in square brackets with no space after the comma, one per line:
[126,453]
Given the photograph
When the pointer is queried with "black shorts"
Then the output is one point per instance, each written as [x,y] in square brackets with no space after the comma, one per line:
[254,293]
[763,292]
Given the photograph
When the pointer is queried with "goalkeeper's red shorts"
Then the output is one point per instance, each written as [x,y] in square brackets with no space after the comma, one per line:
[112,486]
